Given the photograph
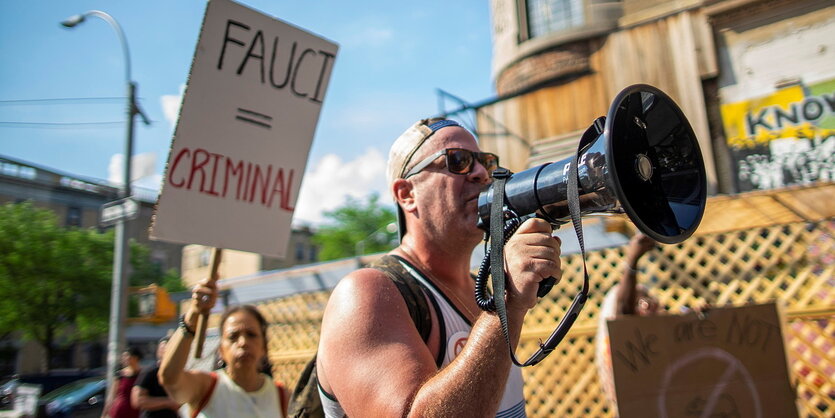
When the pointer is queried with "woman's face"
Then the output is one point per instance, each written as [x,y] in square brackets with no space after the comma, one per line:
[242,343]
[128,360]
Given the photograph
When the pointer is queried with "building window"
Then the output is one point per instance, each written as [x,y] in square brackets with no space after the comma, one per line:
[542,17]
[299,251]
[204,258]
[62,357]
[95,355]
[73,216]
[8,360]
[313,253]
[158,259]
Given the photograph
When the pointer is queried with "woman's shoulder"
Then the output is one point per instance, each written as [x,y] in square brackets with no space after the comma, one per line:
[128,373]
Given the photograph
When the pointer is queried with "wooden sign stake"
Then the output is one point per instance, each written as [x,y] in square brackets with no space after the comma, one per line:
[203,319]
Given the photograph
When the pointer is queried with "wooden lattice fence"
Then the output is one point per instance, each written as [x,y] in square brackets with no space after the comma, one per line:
[792,263]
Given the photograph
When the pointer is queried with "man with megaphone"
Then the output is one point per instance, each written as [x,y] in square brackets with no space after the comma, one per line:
[373,359]
[377,354]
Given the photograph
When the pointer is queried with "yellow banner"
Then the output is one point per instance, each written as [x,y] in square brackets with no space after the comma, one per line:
[788,113]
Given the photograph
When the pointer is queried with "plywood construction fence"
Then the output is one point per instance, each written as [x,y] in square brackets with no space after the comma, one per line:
[788,260]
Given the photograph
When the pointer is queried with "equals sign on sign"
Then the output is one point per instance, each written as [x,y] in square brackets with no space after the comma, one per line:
[255,118]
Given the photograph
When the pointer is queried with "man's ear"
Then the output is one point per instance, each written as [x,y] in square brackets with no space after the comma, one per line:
[403,192]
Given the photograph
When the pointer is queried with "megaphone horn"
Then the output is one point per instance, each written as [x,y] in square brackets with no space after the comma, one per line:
[642,159]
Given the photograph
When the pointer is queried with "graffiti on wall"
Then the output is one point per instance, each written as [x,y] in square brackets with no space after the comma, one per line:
[786,138]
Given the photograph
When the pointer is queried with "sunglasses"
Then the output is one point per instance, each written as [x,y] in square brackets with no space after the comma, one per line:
[459,161]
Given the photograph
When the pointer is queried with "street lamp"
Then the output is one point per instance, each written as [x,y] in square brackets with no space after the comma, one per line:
[121,248]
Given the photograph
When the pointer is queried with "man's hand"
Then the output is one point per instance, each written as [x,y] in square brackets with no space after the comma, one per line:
[531,255]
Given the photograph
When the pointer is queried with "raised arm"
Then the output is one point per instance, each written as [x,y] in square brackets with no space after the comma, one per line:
[187,386]
[627,294]
[376,364]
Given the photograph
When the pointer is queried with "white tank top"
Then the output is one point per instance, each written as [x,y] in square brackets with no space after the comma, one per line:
[455,329]
[230,400]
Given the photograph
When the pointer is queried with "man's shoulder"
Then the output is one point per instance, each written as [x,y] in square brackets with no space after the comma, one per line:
[363,286]
[386,268]
[377,289]
[364,278]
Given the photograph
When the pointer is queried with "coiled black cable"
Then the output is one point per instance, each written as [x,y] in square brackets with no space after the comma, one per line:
[483,298]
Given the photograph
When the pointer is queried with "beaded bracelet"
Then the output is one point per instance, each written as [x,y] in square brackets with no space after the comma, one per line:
[185,326]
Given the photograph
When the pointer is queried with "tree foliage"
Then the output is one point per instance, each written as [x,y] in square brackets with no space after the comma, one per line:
[55,282]
[144,271]
[356,227]
[52,277]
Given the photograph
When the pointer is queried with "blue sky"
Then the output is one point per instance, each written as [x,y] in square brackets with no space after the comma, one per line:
[392,58]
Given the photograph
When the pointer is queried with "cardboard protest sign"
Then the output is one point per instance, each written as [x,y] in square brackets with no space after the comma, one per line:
[731,363]
[246,125]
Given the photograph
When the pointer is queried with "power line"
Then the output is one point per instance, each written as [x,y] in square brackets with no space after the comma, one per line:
[59,124]
[62,100]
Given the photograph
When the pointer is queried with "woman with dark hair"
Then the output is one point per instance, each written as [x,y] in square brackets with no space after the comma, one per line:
[240,388]
[118,402]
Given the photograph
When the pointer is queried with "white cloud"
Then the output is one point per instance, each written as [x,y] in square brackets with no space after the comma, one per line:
[369,36]
[143,166]
[377,36]
[171,106]
[152,182]
[326,186]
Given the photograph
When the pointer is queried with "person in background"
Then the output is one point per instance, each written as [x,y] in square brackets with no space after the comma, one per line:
[118,404]
[624,298]
[148,396]
[240,389]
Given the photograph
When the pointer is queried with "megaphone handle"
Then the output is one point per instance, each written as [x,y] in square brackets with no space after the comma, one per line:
[203,319]
[545,286]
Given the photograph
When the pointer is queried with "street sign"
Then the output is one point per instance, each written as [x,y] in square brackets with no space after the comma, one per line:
[246,125]
[26,399]
[117,210]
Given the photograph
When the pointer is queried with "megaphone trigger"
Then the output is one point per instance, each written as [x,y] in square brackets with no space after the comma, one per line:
[545,286]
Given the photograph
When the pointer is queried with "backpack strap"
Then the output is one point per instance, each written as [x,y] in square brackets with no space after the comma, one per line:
[412,291]
[206,397]
[282,398]
[305,401]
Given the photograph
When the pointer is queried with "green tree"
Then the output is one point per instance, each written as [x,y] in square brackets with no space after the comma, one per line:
[144,271]
[358,226]
[55,281]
